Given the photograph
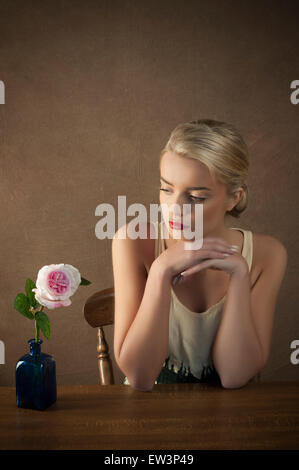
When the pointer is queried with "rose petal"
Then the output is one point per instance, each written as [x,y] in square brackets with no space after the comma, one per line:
[46,295]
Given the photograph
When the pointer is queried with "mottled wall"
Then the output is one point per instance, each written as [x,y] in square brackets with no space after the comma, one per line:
[92,91]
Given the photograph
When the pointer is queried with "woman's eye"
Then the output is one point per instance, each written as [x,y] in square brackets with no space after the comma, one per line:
[162,189]
[193,198]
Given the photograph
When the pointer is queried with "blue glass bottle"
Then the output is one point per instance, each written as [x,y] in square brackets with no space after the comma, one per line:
[36,378]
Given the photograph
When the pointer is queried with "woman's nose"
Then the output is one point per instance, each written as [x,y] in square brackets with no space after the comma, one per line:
[179,200]
[180,207]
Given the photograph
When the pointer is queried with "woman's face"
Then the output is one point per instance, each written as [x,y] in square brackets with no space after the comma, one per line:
[179,178]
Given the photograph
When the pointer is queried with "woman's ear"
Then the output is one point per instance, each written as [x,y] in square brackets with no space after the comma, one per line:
[235,198]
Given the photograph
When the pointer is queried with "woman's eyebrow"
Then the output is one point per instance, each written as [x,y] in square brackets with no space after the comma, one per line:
[191,187]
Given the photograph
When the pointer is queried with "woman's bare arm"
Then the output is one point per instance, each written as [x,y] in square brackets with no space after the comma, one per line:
[142,305]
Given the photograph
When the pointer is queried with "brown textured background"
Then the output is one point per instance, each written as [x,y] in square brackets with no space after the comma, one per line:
[93,89]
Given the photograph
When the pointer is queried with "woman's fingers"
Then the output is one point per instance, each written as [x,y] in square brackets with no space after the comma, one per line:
[207,244]
[220,245]
[194,269]
[177,279]
[211,245]
[214,254]
[198,267]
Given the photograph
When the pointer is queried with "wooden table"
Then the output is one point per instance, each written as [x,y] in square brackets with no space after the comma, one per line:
[172,416]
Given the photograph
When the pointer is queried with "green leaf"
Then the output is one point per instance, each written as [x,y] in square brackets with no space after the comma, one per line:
[43,323]
[31,296]
[84,282]
[22,306]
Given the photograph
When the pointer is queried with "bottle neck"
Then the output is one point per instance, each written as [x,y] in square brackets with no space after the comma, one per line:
[35,347]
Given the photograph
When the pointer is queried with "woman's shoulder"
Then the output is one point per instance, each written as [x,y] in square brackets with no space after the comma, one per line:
[145,229]
[144,244]
[267,248]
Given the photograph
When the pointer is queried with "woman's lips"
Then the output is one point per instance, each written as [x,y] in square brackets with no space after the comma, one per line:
[176,225]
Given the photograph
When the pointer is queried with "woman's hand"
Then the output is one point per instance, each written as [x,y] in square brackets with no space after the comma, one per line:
[177,258]
[232,264]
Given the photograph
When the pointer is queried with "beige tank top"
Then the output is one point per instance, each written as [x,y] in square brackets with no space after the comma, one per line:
[191,334]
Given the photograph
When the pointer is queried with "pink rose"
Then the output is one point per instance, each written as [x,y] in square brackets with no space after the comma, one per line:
[55,284]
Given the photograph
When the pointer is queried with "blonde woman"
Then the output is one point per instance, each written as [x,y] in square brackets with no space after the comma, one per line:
[215,323]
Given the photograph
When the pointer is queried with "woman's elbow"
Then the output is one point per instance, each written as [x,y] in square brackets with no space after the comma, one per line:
[142,387]
[233,382]
[231,385]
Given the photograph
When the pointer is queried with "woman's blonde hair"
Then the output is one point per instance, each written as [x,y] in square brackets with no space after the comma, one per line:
[220,147]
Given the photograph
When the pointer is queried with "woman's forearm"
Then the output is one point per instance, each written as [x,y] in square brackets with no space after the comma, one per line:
[237,351]
[145,346]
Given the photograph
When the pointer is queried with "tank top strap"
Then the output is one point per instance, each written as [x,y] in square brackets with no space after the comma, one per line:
[247,249]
